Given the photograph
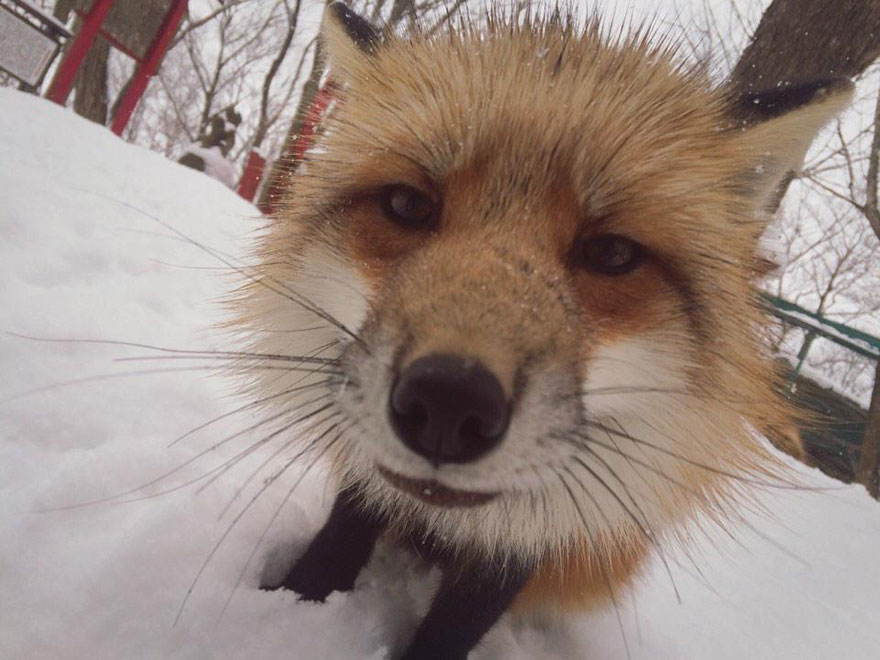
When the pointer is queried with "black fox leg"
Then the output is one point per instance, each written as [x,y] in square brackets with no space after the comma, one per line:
[466,606]
[337,554]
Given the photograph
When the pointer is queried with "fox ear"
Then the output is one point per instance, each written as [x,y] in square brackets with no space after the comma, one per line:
[777,127]
[348,39]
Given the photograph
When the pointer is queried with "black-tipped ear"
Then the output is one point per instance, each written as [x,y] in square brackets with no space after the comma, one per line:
[356,28]
[775,128]
[752,107]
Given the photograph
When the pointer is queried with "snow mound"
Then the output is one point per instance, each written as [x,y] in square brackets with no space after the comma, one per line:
[217,166]
[98,241]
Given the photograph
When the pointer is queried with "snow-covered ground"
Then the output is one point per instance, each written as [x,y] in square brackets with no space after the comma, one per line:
[216,164]
[88,250]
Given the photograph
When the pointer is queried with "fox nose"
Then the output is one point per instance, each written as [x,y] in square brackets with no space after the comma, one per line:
[448,408]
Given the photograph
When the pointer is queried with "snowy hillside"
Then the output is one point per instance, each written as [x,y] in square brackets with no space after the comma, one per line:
[88,250]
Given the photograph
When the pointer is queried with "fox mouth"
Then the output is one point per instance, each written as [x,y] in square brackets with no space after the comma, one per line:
[435,493]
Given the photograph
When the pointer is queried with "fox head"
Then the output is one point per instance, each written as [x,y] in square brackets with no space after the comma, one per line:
[525,256]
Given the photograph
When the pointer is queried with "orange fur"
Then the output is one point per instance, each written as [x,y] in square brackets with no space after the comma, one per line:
[584,578]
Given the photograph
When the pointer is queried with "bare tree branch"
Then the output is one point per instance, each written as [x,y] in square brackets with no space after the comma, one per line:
[871,210]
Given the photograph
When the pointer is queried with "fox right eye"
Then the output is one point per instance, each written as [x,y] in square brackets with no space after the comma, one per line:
[409,207]
[610,254]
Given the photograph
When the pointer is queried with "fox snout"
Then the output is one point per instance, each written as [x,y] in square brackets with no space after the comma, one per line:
[448,408]
[449,357]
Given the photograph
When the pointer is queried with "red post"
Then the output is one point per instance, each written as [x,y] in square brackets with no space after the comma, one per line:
[310,125]
[148,66]
[250,178]
[296,150]
[62,82]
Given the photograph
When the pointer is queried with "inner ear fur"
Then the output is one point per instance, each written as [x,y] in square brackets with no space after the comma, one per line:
[348,39]
[776,128]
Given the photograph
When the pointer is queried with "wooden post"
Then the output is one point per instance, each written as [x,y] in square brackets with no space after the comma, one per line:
[868,469]
[148,67]
[64,78]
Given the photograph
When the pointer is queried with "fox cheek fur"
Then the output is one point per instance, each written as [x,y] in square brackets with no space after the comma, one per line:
[523,260]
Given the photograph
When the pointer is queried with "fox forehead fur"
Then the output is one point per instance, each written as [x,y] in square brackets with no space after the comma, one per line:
[637,397]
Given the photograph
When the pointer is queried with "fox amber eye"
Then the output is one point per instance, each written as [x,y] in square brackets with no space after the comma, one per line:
[408,207]
[610,254]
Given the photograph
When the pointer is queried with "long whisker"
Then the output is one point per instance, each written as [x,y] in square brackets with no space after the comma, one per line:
[643,524]
[241,514]
[239,359]
[240,489]
[122,498]
[698,494]
[653,488]
[327,382]
[235,460]
[179,351]
[634,390]
[142,372]
[263,280]
[695,463]
[604,570]
[275,515]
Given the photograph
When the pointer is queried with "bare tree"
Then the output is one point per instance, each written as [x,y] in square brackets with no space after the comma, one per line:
[243,53]
[265,118]
[90,87]
[828,222]
[132,24]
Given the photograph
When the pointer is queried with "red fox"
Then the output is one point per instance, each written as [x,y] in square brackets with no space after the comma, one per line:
[521,263]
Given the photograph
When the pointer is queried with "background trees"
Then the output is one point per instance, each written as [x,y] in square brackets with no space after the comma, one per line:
[825,236]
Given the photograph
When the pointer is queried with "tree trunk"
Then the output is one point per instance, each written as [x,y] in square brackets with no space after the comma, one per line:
[810,40]
[90,89]
[61,10]
[868,471]
[90,86]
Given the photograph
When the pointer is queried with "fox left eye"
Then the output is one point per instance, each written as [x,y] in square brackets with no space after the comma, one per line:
[609,254]
[409,207]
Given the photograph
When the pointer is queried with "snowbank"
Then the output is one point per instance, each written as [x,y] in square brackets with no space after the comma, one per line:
[86,252]
[216,165]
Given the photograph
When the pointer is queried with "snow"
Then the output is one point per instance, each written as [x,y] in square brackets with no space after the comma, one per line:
[88,250]
[216,164]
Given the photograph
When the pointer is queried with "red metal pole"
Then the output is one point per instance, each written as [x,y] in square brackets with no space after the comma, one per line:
[250,178]
[148,66]
[307,135]
[295,151]
[62,82]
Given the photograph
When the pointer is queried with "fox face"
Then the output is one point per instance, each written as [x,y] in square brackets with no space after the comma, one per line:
[527,256]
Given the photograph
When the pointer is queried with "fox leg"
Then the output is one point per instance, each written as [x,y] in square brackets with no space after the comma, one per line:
[337,554]
[468,603]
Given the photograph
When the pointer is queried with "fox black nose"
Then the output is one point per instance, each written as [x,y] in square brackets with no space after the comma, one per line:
[448,408]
